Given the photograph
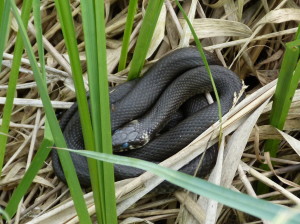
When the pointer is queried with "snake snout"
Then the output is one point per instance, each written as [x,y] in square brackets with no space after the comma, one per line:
[129,137]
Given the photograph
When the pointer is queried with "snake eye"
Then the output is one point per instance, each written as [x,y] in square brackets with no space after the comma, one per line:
[125,145]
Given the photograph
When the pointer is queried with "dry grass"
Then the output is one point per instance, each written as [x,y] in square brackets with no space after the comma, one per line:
[249,40]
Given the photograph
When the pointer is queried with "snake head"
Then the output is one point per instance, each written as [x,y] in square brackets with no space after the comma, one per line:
[130,136]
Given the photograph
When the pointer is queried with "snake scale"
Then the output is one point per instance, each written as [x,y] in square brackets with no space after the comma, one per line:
[141,109]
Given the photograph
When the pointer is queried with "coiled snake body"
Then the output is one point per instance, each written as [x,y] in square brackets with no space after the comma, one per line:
[140,110]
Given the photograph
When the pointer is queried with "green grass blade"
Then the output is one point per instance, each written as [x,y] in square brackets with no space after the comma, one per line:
[95,67]
[18,50]
[126,37]
[4,26]
[88,18]
[23,186]
[297,36]
[103,127]
[253,206]
[144,39]
[68,166]
[65,17]
[4,214]
[44,148]
[282,98]
[286,86]
[39,35]
[1,10]
[202,54]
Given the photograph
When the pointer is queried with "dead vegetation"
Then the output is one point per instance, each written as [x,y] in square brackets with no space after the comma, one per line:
[248,37]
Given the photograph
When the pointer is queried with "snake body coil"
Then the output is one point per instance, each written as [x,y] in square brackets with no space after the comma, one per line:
[140,110]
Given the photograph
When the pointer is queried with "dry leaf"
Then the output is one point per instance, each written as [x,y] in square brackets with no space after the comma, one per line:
[294,143]
[280,16]
[205,28]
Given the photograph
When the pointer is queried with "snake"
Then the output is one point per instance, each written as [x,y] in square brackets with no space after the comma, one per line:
[149,115]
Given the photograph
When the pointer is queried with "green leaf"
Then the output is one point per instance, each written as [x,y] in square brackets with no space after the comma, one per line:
[253,206]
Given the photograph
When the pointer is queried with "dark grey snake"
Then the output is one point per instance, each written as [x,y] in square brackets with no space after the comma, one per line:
[141,109]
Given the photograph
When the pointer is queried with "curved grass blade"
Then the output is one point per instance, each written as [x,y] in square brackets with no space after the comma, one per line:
[44,148]
[253,206]
[4,214]
[18,50]
[68,166]
[65,17]
[202,54]
[35,165]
